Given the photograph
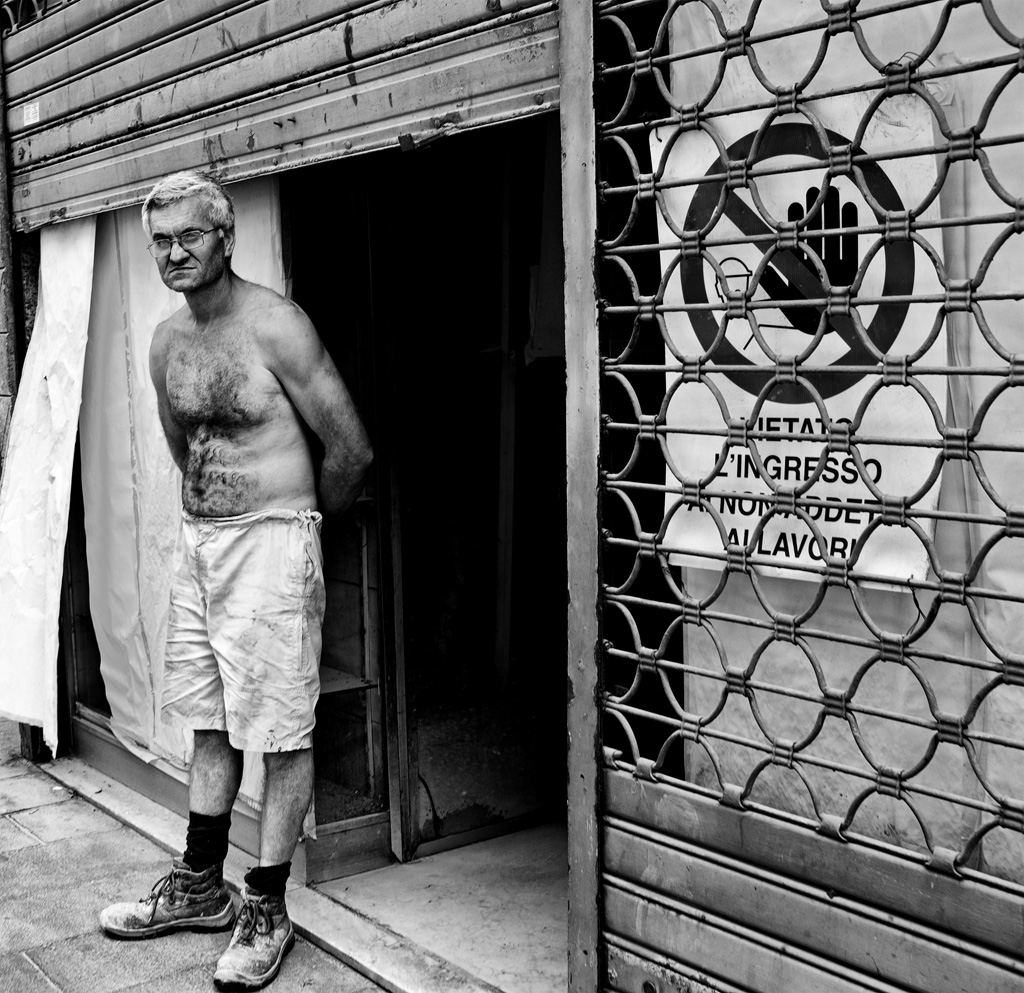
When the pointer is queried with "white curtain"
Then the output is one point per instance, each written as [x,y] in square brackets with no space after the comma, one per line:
[99,285]
[36,489]
[131,487]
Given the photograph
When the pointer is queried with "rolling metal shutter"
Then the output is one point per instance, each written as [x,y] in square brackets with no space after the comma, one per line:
[104,98]
[812,588]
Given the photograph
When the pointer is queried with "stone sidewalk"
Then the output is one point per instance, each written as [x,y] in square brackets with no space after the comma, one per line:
[61,862]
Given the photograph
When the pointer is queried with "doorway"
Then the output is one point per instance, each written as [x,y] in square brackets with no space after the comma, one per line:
[431,276]
[434,279]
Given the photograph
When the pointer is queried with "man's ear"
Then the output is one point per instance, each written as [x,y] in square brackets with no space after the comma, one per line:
[229,243]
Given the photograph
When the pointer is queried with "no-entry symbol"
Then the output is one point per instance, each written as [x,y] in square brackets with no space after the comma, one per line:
[790,276]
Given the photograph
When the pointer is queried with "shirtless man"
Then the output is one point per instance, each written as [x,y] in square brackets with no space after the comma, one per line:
[240,374]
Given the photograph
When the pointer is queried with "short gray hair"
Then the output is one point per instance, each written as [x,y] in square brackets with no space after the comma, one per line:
[186,186]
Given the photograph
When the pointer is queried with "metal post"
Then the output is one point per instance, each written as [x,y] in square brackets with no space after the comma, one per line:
[579,226]
[8,372]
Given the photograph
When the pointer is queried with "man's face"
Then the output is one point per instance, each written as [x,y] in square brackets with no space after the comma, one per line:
[198,267]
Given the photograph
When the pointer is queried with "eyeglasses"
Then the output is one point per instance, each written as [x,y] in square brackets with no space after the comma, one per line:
[160,248]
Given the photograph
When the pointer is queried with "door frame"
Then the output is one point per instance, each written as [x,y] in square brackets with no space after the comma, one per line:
[582,424]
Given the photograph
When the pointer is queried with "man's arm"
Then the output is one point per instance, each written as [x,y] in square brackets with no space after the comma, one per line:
[177,440]
[309,376]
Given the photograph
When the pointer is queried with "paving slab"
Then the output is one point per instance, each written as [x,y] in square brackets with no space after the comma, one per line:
[26,792]
[74,818]
[307,968]
[194,979]
[12,838]
[18,974]
[100,964]
[56,890]
[11,767]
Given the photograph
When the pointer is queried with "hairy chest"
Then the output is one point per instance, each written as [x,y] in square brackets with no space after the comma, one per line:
[217,385]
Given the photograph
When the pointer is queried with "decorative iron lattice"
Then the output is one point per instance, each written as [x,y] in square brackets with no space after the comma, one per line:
[811,272]
[20,13]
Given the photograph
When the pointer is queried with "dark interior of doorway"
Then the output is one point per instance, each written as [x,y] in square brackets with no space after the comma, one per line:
[429,276]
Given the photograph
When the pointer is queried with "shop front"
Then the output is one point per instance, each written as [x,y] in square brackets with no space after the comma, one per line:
[438,714]
[431,265]
[785,237]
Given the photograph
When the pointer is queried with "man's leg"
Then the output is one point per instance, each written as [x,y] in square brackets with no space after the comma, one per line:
[255,953]
[213,785]
[285,802]
[216,774]
[193,894]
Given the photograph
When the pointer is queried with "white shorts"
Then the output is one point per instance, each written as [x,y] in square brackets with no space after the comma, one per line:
[244,631]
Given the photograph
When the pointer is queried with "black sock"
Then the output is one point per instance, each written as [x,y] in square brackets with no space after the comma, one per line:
[206,843]
[269,879]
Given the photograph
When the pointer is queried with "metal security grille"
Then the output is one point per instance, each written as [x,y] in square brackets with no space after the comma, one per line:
[812,340]
[20,13]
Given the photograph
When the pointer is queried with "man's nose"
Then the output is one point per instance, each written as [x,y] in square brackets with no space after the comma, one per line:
[177,252]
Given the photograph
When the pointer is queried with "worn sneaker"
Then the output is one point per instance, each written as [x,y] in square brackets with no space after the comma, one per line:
[263,936]
[182,899]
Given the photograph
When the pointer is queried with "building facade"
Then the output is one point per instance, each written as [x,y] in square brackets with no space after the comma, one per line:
[764,255]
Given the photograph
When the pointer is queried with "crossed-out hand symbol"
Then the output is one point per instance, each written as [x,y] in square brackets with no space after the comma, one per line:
[838,253]
[790,277]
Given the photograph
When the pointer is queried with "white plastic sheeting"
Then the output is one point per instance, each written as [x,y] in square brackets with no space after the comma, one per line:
[131,487]
[36,491]
[130,484]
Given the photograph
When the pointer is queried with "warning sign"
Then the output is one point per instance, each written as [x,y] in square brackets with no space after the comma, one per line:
[785,315]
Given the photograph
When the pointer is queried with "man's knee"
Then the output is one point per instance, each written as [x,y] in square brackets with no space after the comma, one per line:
[212,742]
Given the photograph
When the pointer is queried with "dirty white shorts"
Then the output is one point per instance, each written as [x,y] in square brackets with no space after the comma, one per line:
[243,635]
